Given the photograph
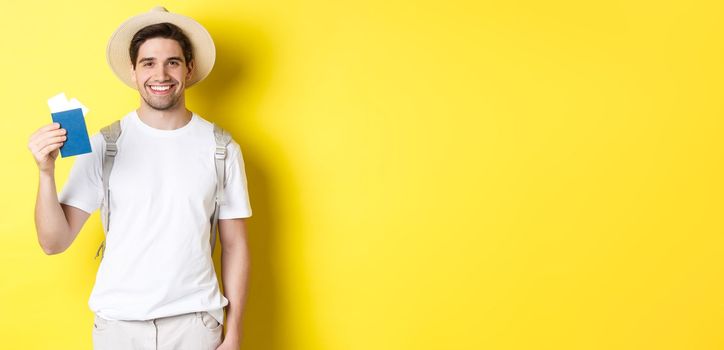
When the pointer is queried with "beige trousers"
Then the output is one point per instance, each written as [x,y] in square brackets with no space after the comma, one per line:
[192,331]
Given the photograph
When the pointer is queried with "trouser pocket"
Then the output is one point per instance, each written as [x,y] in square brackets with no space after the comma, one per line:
[208,321]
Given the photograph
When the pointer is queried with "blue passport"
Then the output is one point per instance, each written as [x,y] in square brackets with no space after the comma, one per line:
[77,141]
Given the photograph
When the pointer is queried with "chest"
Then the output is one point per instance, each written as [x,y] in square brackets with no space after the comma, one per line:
[168,169]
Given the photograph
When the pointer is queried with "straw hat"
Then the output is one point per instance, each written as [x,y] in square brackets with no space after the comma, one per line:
[119,59]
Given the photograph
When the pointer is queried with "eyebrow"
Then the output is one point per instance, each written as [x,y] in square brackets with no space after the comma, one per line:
[174,58]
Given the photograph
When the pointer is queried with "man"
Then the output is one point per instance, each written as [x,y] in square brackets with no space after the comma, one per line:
[156,287]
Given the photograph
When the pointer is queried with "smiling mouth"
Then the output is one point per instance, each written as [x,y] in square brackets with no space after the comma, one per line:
[160,89]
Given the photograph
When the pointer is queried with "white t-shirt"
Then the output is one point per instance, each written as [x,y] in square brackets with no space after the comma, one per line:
[157,260]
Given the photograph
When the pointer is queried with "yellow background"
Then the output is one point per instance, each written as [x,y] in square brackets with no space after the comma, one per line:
[424,174]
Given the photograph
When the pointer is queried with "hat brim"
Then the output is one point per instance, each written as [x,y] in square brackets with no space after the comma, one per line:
[119,60]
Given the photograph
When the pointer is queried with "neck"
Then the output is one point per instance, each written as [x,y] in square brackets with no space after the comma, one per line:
[170,119]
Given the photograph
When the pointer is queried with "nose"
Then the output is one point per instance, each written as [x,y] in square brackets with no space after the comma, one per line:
[160,73]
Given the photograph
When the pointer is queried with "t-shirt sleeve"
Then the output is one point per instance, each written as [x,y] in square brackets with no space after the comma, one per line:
[236,197]
[84,187]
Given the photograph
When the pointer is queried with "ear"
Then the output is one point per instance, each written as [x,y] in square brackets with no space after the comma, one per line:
[133,73]
[192,67]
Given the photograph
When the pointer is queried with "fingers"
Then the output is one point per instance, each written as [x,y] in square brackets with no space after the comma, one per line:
[45,128]
[41,138]
[50,126]
[43,152]
[44,144]
[38,146]
[57,139]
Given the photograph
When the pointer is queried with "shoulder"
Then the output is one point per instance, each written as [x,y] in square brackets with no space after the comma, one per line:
[125,121]
[96,139]
[233,147]
[203,122]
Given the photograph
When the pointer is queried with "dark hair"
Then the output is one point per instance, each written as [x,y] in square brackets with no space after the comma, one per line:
[160,30]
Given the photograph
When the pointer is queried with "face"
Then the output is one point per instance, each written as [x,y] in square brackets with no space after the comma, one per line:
[161,73]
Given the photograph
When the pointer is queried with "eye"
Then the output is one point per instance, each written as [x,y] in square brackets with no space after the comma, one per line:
[147,64]
[174,63]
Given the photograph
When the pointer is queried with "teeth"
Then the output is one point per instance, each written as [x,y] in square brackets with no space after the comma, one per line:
[160,88]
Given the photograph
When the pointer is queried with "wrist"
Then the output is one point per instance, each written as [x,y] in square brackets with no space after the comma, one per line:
[232,336]
[47,173]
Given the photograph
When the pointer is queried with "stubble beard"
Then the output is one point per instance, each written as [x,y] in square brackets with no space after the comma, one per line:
[161,104]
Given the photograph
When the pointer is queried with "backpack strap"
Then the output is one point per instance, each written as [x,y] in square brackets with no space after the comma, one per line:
[222,138]
[111,133]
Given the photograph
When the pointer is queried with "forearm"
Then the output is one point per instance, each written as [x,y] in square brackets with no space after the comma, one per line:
[235,277]
[50,221]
